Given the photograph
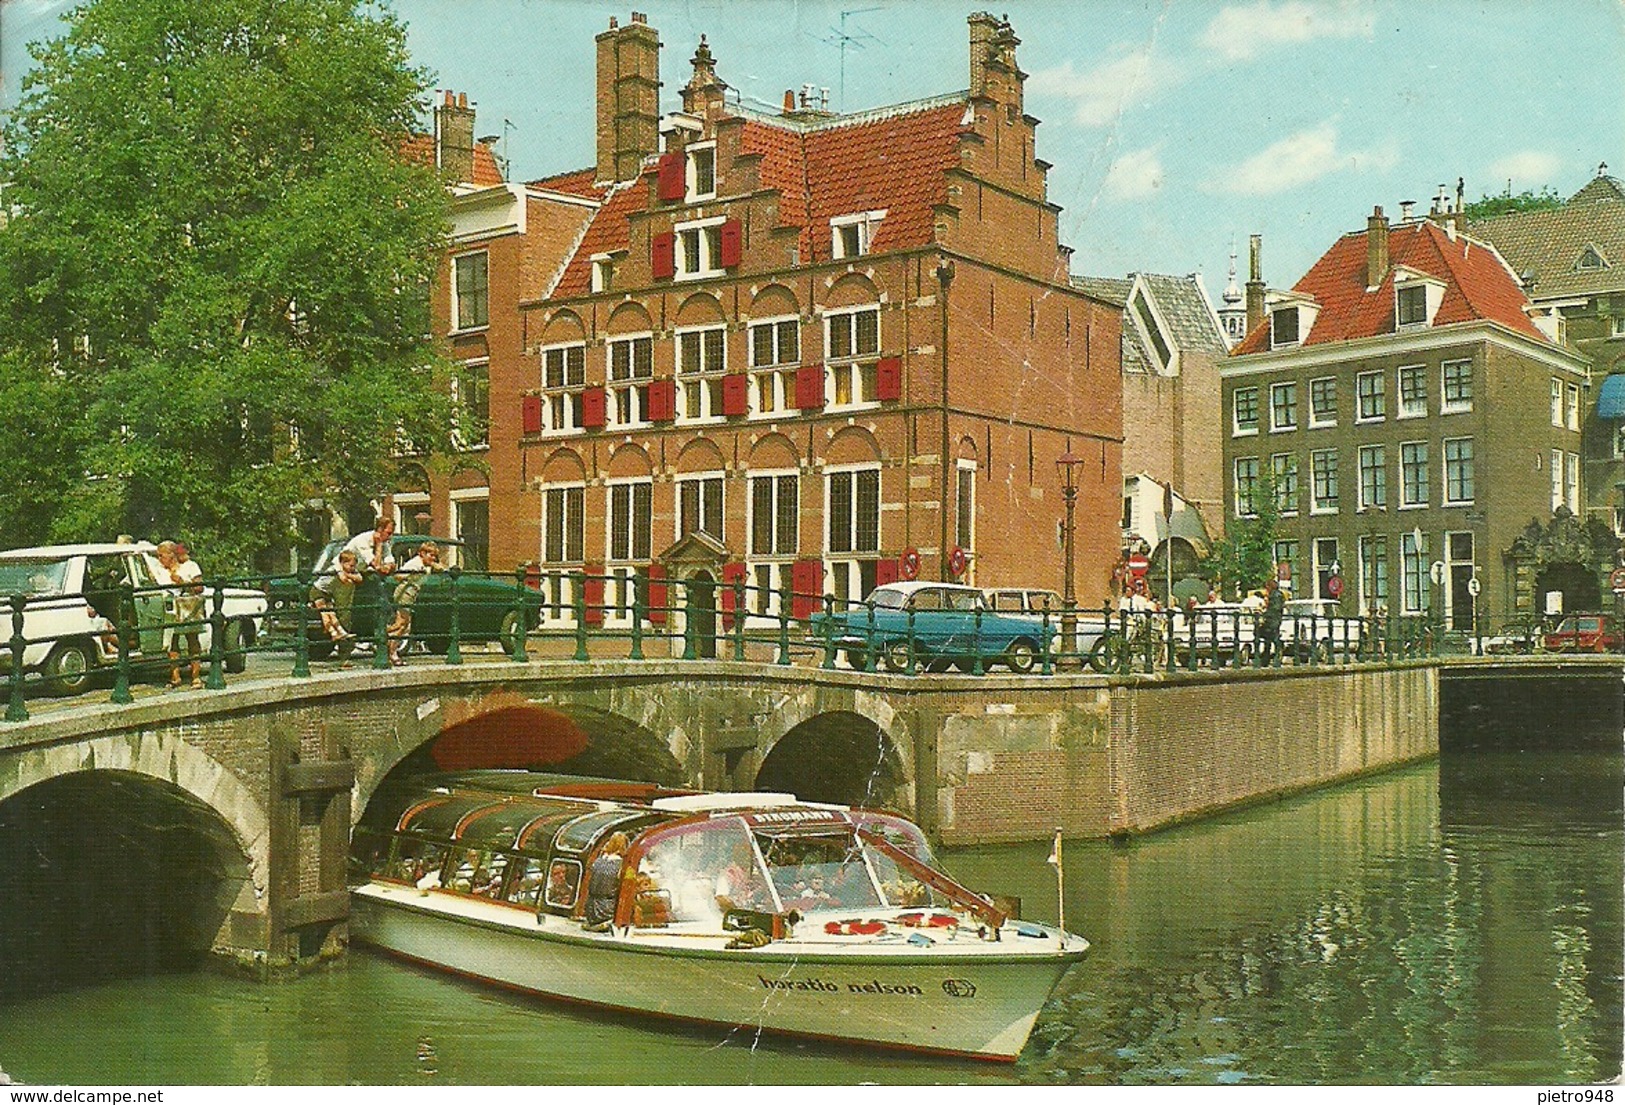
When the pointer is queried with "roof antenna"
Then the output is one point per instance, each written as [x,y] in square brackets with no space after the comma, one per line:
[857,40]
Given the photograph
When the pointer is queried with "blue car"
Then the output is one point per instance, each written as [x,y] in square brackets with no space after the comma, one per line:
[945,629]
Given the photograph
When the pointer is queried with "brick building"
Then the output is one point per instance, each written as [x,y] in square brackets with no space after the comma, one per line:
[801,349]
[1411,413]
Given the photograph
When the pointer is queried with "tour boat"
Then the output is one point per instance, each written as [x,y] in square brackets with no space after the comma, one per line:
[754,911]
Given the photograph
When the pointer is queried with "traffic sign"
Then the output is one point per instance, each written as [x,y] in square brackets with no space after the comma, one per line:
[1138,565]
[1617,581]
[1334,586]
[1474,587]
[1437,571]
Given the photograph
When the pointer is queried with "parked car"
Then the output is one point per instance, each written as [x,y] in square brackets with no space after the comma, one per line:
[1584,633]
[1034,602]
[76,609]
[486,608]
[1321,626]
[944,630]
[1222,629]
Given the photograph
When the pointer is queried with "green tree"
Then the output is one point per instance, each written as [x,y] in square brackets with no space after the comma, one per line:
[213,279]
[1245,557]
[1487,207]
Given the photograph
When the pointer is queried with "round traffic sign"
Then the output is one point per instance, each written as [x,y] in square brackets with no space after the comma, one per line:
[1334,586]
[1474,587]
[1437,571]
[1616,580]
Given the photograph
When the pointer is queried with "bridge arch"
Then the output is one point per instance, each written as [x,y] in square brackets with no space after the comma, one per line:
[845,755]
[86,834]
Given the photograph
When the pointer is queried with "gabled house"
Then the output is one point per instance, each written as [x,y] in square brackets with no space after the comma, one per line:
[1414,418]
[843,348]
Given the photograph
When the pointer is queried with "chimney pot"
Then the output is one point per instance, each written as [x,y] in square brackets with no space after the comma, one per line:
[1255,281]
[1376,248]
[1405,209]
[789,100]
[613,23]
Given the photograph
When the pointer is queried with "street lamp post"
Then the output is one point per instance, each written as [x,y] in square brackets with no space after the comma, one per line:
[1065,465]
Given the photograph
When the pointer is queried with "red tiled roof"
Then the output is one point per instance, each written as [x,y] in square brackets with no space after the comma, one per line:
[420,147]
[577,182]
[1477,286]
[894,160]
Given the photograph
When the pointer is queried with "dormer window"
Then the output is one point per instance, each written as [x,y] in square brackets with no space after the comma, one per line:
[1416,298]
[853,235]
[1291,317]
[702,172]
[1154,339]
[603,272]
[1591,260]
[1283,327]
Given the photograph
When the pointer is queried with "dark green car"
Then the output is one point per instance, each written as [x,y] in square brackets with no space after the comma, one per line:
[489,607]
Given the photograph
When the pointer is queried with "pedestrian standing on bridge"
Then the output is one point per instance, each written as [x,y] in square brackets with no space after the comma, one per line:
[1269,626]
[411,576]
[189,608]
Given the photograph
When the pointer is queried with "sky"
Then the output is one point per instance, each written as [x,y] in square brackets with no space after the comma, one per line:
[1175,128]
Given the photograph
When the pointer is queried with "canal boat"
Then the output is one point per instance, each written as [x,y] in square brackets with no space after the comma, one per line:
[753,911]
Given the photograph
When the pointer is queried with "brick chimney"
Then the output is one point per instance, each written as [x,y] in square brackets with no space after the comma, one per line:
[1376,248]
[454,137]
[983,26]
[702,95]
[1255,281]
[628,97]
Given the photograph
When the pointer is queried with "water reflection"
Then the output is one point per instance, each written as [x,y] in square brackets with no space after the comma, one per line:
[1456,922]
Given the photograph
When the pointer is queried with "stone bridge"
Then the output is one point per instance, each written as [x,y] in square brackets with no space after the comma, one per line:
[238,803]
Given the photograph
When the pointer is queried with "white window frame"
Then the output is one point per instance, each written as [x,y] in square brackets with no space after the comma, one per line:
[1420,372]
[459,440]
[558,577]
[1571,482]
[1557,402]
[457,324]
[1414,574]
[1297,312]
[1290,426]
[1616,326]
[1459,406]
[1244,507]
[702,387]
[1369,599]
[1556,465]
[707,246]
[1236,428]
[603,271]
[623,570]
[1432,298]
[1571,406]
[1315,421]
[1334,484]
[457,498]
[1284,472]
[962,467]
[1444,468]
[770,572]
[404,518]
[864,222]
[1379,482]
[691,173]
[1318,563]
[856,368]
[1424,467]
[1380,395]
[830,553]
[721,479]
[561,404]
[775,381]
[630,392]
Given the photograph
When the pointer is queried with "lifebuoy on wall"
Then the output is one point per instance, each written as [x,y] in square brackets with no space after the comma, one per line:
[909,563]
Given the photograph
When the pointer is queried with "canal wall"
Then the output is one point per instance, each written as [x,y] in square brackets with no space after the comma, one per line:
[1135,755]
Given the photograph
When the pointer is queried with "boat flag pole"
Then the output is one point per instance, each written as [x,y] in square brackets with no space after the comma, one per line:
[1060,882]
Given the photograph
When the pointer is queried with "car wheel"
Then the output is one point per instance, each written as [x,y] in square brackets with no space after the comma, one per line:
[1020,656]
[896,657]
[238,640]
[855,658]
[511,630]
[439,645]
[67,669]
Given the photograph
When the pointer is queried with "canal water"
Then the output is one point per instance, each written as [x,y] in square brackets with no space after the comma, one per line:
[1455,922]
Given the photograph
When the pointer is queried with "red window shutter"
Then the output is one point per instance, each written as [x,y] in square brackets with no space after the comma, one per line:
[662,400]
[655,601]
[889,378]
[735,395]
[731,574]
[592,408]
[806,588]
[530,412]
[885,572]
[733,243]
[810,387]
[672,182]
[663,256]
[593,590]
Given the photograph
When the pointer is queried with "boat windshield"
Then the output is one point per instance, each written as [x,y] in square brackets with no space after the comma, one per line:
[823,870]
[35,577]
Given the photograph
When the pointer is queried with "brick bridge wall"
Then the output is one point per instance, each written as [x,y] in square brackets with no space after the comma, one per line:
[290,764]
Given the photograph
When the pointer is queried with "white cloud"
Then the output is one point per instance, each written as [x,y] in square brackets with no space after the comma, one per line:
[1298,159]
[1244,31]
[1100,94]
[1133,175]
[1526,169]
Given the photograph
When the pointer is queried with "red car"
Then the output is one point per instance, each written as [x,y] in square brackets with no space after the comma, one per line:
[1584,633]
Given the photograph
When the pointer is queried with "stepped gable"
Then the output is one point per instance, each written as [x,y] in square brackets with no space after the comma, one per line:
[1478,285]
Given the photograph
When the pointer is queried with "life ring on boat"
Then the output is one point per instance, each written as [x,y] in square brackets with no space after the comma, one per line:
[855,927]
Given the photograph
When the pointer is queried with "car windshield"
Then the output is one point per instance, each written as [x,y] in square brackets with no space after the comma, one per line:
[887,598]
[34,577]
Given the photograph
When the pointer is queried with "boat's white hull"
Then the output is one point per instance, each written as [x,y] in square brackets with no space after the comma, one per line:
[966,997]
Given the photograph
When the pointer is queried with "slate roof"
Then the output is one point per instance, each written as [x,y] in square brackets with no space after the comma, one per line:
[1549,243]
[892,159]
[420,147]
[1180,302]
[1478,285]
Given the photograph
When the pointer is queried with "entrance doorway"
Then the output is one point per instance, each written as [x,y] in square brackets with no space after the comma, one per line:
[700,613]
[1458,548]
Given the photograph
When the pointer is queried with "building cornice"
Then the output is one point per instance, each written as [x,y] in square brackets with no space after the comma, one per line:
[1416,341]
